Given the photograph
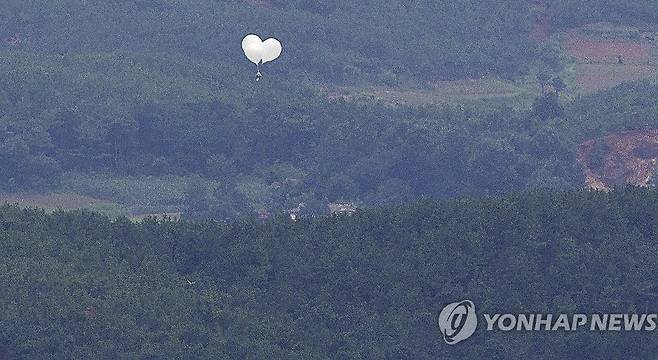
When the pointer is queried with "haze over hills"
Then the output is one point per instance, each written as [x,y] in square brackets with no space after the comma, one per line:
[398,156]
[328,40]
[143,103]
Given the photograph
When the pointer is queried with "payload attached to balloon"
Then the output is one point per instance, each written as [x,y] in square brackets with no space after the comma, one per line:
[260,52]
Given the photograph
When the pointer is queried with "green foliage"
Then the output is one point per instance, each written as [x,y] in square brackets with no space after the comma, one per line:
[627,107]
[331,40]
[569,13]
[143,194]
[548,106]
[159,91]
[273,149]
[362,286]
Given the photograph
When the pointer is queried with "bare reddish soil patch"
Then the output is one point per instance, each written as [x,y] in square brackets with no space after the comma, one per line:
[624,158]
[589,49]
[607,58]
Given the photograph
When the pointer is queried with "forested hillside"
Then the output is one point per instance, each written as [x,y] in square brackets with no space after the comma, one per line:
[335,40]
[276,152]
[569,13]
[77,285]
[152,103]
[150,106]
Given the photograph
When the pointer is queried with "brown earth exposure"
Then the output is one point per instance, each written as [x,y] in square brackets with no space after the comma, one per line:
[624,158]
[606,55]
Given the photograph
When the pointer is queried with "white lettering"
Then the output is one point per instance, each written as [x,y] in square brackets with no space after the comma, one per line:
[634,322]
[615,322]
[562,323]
[525,322]
[599,322]
[578,320]
[491,320]
[509,318]
[651,319]
[539,322]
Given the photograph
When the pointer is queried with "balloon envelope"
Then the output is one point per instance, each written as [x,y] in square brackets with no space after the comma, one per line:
[251,38]
[252,46]
[271,50]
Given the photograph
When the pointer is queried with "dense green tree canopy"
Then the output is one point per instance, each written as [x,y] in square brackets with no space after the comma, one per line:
[317,150]
[95,89]
[154,97]
[332,40]
[569,13]
[77,285]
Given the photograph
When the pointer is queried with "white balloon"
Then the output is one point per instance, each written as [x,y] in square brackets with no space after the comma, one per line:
[250,38]
[271,50]
[252,46]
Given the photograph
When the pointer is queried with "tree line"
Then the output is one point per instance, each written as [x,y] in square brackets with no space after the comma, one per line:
[78,285]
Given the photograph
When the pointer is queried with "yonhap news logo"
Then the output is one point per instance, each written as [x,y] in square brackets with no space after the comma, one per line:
[458,321]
